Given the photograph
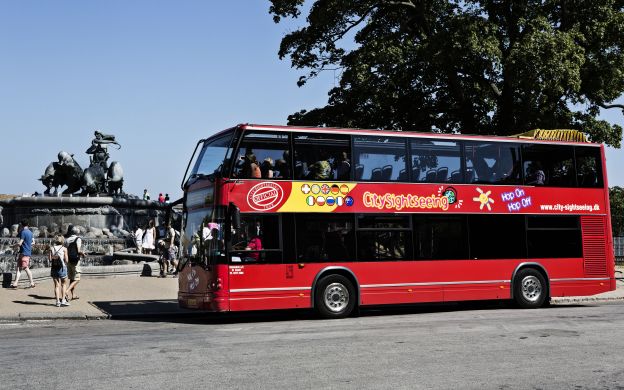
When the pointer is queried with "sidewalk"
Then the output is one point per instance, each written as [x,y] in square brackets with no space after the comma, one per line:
[123,293]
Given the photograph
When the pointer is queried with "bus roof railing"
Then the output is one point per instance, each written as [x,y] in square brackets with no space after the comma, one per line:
[554,135]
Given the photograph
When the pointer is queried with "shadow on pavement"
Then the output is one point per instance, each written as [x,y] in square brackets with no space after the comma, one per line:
[40,296]
[31,303]
[145,309]
[168,311]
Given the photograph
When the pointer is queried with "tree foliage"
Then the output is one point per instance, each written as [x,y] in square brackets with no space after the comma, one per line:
[616,200]
[481,67]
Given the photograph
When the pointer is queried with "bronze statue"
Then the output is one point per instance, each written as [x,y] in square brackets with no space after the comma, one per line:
[98,178]
[65,172]
[99,148]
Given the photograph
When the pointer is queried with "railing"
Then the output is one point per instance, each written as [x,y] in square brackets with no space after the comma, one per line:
[101,246]
[618,246]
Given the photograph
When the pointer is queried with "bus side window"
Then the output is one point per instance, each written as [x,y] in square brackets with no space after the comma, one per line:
[323,238]
[380,158]
[433,233]
[588,166]
[384,237]
[543,230]
[436,161]
[549,165]
[264,155]
[257,240]
[322,157]
[493,162]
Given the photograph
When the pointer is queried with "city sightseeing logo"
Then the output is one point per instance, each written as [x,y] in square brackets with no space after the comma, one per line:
[399,202]
[264,196]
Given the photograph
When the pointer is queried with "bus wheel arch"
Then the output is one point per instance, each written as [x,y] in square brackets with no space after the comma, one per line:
[530,286]
[341,282]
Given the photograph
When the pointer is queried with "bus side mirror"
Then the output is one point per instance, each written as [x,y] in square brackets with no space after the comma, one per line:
[235,217]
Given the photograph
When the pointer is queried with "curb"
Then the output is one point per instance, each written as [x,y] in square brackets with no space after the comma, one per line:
[564,300]
[180,315]
[38,316]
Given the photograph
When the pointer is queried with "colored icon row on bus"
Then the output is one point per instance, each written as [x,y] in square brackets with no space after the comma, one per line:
[329,200]
[325,189]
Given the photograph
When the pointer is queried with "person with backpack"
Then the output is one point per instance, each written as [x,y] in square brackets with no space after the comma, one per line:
[74,253]
[57,254]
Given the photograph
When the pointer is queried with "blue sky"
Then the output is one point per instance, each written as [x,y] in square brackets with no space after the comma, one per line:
[159,75]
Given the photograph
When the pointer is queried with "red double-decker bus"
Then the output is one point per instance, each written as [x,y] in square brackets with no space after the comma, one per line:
[279,217]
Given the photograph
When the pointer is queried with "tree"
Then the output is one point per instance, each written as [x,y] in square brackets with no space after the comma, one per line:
[616,200]
[481,67]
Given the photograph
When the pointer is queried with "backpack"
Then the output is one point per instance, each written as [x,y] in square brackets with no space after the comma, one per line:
[72,251]
[57,262]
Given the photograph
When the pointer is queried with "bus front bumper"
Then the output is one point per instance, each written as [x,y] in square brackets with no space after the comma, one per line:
[207,301]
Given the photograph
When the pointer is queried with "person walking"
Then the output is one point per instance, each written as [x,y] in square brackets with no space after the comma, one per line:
[57,254]
[162,257]
[172,264]
[138,238]
[23,257]
[73,243]
[149,238]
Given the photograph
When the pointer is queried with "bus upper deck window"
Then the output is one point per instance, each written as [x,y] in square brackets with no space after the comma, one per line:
[322,157]
[264,155]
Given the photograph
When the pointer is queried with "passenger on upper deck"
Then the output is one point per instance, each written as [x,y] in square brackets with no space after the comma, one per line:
[251,170]
[267,168]
[322,169]
[535,175]
[343,167]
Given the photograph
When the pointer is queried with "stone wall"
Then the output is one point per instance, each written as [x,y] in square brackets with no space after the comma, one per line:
[51,215]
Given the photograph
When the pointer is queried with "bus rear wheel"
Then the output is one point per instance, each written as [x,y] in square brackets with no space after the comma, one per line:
[530,288]
[334,297]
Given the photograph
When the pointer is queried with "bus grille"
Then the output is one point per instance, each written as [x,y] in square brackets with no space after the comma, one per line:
[594,246]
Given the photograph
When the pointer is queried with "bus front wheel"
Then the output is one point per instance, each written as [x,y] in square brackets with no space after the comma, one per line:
[334,297]
[530,288]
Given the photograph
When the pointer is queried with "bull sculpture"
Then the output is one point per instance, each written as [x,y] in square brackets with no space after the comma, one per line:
[98,178]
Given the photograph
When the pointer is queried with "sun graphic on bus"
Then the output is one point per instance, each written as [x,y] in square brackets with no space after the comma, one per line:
[484,199]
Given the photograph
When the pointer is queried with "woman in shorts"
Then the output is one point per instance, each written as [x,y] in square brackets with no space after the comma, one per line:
[58,260]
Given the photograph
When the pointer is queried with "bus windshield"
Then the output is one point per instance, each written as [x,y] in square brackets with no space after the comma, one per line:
[202,239]
[212,156]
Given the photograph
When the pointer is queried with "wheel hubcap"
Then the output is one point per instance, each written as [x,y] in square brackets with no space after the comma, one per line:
[336,297]
[531,288]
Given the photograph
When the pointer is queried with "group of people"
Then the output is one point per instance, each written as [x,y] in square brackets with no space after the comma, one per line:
[267,169]
[325,167]
[145,239]
[64,256]
[163,199]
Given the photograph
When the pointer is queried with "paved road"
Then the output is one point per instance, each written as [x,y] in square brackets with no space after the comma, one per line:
[422,347]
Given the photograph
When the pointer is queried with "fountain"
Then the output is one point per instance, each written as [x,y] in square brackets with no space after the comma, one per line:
[93,201]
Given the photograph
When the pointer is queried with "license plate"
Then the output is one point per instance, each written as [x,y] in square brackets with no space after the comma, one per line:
[192,302]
